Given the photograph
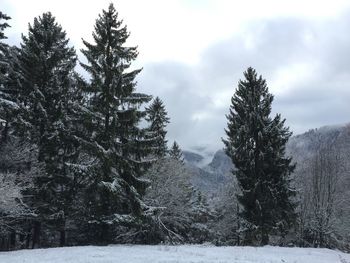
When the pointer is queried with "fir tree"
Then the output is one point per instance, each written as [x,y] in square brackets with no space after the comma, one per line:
[3,25]
[49,95]
[10,77]
[3,46]
[175,152]
[256,144]
[7,102]
[157,116]
[118,142]
[203,218]
[3,73]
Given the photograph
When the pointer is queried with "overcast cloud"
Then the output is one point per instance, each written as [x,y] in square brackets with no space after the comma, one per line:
[194,52]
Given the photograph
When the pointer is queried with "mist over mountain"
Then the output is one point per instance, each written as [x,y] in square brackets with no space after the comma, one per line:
[193,158]
[303,146]
[212,177]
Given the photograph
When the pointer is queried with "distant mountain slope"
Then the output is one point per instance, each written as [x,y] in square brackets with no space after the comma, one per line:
[221,163]
[193,158]
[211,178]
[303,146]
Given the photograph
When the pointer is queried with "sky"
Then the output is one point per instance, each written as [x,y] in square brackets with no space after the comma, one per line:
[194,52]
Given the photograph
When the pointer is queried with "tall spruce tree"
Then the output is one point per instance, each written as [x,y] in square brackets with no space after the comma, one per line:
[50,97]
[3,73]
[3,25]
[10,107]
[115,190]
[7,100]
[3,46]
[18,162]
[256,144]
[158,118]
[176,152]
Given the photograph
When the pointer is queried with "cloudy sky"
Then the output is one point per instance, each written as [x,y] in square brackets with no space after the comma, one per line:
[193,52]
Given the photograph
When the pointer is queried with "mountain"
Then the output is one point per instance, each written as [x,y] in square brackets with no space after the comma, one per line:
[221,164]
[192,158]
[211,178]
[321,180]
[304,146]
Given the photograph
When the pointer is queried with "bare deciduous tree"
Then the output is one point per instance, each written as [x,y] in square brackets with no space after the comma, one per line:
[319,183]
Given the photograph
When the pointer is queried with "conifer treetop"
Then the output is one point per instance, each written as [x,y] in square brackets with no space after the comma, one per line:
[158,119]
[157,115]
[3,25]
[176,152]
[256,145]
[109,36]
[46,49]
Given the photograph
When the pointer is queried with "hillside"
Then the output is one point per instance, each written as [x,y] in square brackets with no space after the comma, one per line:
[303,146]
[210,178]
[321,180]
[174,254]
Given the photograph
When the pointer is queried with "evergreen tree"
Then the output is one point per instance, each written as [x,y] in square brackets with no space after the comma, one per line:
[7,104]
[3,25]
[3,73]
[157,116]
[18,162]
[176,153]
[256,144]
[115,190]
[10,76]
[203,218]
[49,94]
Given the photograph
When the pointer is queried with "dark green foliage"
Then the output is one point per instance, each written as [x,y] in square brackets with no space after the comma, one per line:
[3,24]
[5,103]
[10,77]
[84,145]
[175,152]
[9,81]
[117,142]
[158,118]
[3,46]
[50,99]
[256,144]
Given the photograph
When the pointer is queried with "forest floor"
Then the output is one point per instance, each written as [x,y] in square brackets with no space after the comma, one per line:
[174,254]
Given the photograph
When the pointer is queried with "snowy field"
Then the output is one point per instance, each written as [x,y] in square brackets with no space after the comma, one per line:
[175,254]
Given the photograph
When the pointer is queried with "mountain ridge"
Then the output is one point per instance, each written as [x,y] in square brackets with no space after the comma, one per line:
[211,177]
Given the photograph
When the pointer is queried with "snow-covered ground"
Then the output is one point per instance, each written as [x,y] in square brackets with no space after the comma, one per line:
[175,254]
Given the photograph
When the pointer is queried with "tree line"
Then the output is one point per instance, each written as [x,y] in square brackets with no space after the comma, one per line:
[73,152]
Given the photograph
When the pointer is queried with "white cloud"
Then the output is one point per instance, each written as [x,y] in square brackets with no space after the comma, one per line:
[194,52]
[177,30]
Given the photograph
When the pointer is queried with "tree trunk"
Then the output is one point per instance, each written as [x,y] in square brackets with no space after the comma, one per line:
[62,237]
[264,237]
[28,240]
[238,226]
[12,240]
[105,237]
[248,238]
[36,234]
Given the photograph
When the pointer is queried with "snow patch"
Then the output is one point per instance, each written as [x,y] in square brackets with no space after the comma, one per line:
[175,254]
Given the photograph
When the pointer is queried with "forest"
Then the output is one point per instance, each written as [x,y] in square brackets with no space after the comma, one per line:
[88,161]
